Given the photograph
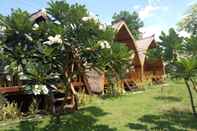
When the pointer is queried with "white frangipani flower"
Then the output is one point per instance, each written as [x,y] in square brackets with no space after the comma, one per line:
[2,28]
[102,27]
[91,17]
[88,48]
[85,19]
[104,44]
[35,26]
[45,89]
[38,89]
[53,40]
[57,22]
[8,77]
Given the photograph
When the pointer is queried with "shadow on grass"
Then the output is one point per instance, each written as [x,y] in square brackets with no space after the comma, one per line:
[169,121]
[83,120]
[168,98]
[137,126]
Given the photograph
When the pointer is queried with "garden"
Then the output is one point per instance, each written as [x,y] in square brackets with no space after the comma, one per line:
[61,68]
[153,109]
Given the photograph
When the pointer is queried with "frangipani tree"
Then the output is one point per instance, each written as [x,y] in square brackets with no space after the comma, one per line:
[63,47]
[189,21]
[16,41]
[87,43]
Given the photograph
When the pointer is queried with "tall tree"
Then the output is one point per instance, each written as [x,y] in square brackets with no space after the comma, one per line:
[171,44]
[181,57]
[189,21]
[132,20]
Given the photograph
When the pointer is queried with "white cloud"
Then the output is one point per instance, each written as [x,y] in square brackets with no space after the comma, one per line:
[148,11]
[192,2]
[156,30]
[152,7]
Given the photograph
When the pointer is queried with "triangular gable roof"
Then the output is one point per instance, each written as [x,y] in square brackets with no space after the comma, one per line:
[38,14]
[119,25]
[142,47]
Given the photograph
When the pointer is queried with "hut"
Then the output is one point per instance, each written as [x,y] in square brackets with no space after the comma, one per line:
[143,68]
[151,69]
[123,35]
[39,16]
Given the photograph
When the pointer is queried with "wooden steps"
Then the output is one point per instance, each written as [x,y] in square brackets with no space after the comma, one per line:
[62,102]
[130,85]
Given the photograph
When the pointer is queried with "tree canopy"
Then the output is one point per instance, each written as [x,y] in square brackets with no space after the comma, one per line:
[181,58]
[169,47]
[132,20]
[63,47]
[189,21]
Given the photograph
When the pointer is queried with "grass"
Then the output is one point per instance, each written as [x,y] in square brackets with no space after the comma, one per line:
[165,108]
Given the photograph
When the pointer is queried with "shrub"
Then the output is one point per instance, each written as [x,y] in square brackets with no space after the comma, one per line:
[33,108]
[115,90]
[9,111]
[83,98]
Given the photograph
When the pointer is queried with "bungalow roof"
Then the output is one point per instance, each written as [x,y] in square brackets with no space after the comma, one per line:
[142,47]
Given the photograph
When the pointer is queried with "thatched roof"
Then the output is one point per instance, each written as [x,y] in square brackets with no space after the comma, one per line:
[95,81]
[142,47]
[124,34]
[39,14]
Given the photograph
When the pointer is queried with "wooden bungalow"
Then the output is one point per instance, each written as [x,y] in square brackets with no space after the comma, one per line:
[152,69]
[123,35]
[143,68]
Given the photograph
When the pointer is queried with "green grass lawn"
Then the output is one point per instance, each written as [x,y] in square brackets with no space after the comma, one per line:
[153,109]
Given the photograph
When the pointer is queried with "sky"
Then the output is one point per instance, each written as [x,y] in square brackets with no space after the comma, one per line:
[157,15]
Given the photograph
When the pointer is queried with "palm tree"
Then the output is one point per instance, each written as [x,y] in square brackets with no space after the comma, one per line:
[186,68]
[180,56]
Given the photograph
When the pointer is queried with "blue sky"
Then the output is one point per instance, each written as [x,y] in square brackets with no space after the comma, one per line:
[157,14]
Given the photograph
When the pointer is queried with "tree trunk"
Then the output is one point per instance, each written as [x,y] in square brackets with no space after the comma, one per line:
[191,98]
[194,85]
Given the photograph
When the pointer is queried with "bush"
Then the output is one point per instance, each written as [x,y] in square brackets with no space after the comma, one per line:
[9,111]
[115,90]
[83,98]
[33,108]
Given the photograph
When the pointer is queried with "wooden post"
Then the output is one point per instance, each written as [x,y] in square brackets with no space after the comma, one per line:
[142,72]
